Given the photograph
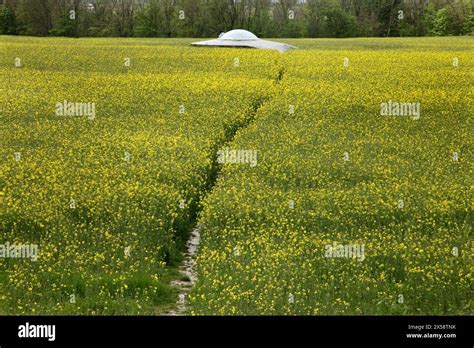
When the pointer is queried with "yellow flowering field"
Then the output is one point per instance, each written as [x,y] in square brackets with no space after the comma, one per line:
[109,196]
[334,170]
[333,179]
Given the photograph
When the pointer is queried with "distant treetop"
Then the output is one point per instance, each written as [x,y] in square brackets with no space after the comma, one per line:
[208,18]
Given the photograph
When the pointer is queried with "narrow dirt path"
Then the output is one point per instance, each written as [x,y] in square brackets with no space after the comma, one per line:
[188,267]
[188,270]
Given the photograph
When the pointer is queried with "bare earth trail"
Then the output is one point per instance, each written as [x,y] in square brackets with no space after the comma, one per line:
[188,270]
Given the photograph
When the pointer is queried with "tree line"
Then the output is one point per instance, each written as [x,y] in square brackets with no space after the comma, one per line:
[208,18]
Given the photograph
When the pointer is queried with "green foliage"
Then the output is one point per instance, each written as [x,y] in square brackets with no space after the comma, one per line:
[65,27]
[208,18]
[143,24]
[340,24]
[7,20]
[441,23]
[468,28]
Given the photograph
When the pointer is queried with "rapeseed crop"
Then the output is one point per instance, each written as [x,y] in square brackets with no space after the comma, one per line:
[345,187]
[108,198]
[349,211]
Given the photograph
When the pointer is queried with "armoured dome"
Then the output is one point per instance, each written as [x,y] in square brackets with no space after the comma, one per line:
[238,35]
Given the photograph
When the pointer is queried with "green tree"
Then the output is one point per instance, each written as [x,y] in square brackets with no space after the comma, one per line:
[340,24]
[468,27]
[143,25]
[441,23]
[35,17]
[7,20]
